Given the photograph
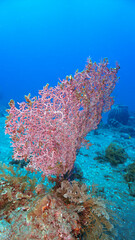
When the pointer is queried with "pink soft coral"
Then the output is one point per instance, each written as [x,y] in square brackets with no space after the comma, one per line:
[48,130]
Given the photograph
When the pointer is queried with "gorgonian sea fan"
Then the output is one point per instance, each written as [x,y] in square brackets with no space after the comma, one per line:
[48,130]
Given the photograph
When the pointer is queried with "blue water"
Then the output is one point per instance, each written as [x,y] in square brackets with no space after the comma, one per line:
[42,41]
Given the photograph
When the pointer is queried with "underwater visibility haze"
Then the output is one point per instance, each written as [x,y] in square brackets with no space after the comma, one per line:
[67,168]
[42,41]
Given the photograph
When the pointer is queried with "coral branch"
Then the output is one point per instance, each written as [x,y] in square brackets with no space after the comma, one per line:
[50,129]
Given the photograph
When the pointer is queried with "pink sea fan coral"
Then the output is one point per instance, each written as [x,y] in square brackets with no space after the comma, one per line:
[49,129]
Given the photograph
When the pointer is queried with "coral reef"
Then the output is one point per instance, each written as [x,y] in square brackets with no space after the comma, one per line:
[15,189]
[115,154]
[49,130]
[67,212]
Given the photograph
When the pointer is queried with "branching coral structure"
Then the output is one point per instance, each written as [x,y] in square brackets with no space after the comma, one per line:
[48,130]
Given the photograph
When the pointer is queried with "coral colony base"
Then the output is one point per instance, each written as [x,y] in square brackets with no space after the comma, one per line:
[47,132]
